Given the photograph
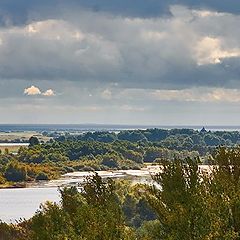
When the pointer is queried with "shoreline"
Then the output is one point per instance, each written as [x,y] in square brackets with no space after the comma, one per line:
[78,176]
[13,185]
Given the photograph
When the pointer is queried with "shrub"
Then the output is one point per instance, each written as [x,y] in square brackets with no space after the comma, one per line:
[136,167]
[87,168]
[2,179]
[69,169]
[15,172]
[109,162]
[42,176]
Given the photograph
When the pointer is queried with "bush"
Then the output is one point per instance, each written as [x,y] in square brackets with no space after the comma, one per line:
[2,179]
[104,168]
[15,172]
[125,167]
[87,168]
[110,162]
[33,141]
[136,167]
[42,176]
[96,167]
[69,169]
[10,232]
[78,167]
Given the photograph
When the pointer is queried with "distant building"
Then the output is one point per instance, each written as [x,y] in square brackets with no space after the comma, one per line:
[203,130]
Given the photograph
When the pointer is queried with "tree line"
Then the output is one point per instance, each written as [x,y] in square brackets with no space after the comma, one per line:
[49,160]
[202,141]
[185,202]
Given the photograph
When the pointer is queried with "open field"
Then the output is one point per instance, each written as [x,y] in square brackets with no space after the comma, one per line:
[21,136]
[12,140]
[11,149]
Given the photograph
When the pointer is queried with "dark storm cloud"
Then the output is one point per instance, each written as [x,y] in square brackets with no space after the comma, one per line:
[186,50]
[21,11]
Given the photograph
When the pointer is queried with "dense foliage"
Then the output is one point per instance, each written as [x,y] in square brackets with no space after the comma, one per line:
[175,139]
[93,151]
[50,160]
[186,202]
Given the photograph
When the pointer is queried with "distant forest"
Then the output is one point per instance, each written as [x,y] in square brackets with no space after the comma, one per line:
[94,151]
[174,139]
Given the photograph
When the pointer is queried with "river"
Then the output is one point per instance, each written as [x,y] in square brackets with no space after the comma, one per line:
[24,202]
[13,144]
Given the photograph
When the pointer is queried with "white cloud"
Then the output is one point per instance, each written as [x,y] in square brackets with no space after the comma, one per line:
[36,91]
[48,93]
[210,51]
[207,13]
[32,91]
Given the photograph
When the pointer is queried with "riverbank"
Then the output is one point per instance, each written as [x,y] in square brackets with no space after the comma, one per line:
[19,203]
[142,175]
[75,178]
[16,203]
[13,185]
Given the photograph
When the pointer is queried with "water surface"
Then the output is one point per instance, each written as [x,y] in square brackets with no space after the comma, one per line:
[23,202]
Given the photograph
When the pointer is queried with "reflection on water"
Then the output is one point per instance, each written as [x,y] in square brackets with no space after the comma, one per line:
[13,144]
[23,203]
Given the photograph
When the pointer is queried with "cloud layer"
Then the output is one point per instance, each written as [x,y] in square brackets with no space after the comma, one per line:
[119,61]
[19,12]
[189,48]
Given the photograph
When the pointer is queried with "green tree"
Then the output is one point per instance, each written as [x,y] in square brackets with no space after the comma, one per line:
[93,213]
[15,172]
[33,141]
[179,200]
[13,232]
[225,187]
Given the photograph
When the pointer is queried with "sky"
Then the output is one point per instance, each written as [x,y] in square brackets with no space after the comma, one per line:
[141,62]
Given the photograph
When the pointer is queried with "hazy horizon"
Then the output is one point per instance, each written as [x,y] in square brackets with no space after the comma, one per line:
[107,127]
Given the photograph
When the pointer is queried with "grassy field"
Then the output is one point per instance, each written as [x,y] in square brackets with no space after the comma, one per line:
[10,136]
[11,149]
[6,137]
